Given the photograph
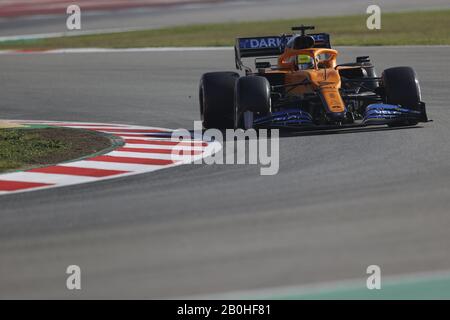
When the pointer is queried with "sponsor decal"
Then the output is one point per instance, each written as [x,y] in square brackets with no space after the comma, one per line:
[273,42]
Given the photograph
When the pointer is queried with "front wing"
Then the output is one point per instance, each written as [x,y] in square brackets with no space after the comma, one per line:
[376,114]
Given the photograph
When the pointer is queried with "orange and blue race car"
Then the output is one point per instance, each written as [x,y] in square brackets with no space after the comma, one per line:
[306,88]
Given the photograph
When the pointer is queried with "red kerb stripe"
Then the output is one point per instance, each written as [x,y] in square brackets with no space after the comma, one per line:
[87,125]
[167,143]
[76,171]
[110,129]
[163,151]
[19,185]
[138,135]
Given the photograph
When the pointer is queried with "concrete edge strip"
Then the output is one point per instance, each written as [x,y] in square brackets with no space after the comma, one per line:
[316,289]
[107,50]
[145,149]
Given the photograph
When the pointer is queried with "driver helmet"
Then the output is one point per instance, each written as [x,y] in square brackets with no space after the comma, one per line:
[305,62]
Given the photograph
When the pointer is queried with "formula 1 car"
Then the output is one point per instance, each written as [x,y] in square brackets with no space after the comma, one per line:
[306,88]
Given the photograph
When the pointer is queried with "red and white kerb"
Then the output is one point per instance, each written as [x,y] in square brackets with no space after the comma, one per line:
[145,149]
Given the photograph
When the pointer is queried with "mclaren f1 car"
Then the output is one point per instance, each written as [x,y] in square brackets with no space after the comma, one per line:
[297,83]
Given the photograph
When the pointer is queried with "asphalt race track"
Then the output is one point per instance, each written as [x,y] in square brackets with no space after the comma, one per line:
[341,201]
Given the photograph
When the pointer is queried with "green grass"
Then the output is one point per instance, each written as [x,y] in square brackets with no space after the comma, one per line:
[19,147]
[405,28]
[26,148]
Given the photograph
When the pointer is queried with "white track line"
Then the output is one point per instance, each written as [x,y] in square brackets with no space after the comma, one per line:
[171,49]
[125,50]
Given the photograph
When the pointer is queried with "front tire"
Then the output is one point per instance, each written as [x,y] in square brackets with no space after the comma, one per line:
[252,96]
[402,87]
[216,96]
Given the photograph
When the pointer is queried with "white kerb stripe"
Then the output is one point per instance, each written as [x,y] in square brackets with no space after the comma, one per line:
[130,167]
[46,178]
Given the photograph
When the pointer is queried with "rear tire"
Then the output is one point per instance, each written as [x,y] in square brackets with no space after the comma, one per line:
[252,95]
[216,95]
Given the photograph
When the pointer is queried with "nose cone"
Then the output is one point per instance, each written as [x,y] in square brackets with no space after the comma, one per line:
[336,117]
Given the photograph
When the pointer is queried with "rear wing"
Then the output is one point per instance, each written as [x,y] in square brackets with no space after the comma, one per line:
[271,46]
